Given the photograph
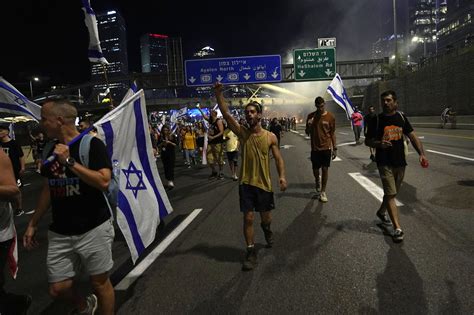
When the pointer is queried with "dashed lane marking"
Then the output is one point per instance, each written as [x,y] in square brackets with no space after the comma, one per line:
[452,155]
[145,263]
[371,187]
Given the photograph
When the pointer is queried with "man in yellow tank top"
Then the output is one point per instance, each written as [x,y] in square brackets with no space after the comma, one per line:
[255,189]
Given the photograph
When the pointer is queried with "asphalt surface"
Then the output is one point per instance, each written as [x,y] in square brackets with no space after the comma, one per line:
[328,258]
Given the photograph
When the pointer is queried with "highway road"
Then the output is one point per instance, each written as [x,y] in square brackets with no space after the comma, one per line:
[328,258]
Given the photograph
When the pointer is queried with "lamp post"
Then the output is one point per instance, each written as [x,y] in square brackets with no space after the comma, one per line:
[36,79]
[395,35]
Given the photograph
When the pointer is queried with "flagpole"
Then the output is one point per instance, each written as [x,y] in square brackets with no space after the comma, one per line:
[107,86]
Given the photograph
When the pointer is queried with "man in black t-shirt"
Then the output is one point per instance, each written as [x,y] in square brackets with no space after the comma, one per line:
[15,153]
[81,233]
[385,133]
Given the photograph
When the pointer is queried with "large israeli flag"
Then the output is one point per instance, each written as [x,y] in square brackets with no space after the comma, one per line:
[339,94]
[95,52]
[142,200]
[15,103]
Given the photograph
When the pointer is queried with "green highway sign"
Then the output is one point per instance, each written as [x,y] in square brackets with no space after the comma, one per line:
[315,64]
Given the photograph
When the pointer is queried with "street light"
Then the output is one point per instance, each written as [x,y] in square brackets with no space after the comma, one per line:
[36,79]
[395,34]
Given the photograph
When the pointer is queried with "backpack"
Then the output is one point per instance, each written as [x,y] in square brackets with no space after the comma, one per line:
[111,195]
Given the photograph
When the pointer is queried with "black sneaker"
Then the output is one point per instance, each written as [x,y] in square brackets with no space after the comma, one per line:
[384,218]
[372,157]
[267,231]
[250,261]
[221,176]
[212,176]
[19,212]
[15,304]
[398,236]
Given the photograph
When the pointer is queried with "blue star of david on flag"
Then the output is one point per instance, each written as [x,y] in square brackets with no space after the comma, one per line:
[139,174]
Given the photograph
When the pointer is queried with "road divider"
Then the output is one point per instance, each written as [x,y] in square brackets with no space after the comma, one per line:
[371,187]
[136,272]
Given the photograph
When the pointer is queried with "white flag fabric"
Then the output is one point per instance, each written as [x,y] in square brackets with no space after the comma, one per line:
[142,200]
[95,52]
[338,93]
[13,102]
[182,112]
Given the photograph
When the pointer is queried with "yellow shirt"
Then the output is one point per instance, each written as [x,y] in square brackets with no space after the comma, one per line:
[231,141]
[189,141]
[255,169]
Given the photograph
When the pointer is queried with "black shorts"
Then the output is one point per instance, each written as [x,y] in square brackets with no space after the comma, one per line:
[233,156]
[200,142]
[255,199]
[321,158]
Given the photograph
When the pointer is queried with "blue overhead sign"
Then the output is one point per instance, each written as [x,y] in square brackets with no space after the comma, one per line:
[233,70]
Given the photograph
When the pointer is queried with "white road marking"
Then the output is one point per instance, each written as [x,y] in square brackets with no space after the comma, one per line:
[27,184]
[372,188]
[346,143]
[452,155]
[421,137]
[343,133]
[145,263]
[307,138]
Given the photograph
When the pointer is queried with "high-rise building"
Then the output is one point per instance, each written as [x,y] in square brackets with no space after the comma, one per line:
[425,18]
[153,50]
[457,29]
[113,41]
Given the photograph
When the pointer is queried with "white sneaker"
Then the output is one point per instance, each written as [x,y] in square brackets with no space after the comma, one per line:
[170,184]
[323,197]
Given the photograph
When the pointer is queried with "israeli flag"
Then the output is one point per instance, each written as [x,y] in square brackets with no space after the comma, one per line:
[13,102]
[338,93]
[142,200]
[95,52]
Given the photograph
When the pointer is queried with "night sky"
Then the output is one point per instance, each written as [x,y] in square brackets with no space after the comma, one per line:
[49,38]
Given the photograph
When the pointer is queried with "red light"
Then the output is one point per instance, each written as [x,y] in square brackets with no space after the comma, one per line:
[158,36]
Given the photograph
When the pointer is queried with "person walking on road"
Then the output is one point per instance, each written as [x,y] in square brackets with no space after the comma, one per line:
[215,144]
[15,153]
[385,133]
[167,145]
[9,303]
[255,187]
[357,120]
[321,126]
[81,233]
[368,117]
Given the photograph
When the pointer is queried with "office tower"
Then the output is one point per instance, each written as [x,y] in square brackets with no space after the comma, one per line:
[457,29]
[113,41]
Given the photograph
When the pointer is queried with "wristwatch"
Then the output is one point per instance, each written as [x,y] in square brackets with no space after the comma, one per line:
[70,161]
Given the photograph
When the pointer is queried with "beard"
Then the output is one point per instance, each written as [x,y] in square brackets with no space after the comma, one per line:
[252,122]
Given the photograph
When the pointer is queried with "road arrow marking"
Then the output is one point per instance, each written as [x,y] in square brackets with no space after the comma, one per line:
[328,72]
[301,73]
[192,79]
[246,76]
[219,78]
[287,146]
[372,188]
[129,279]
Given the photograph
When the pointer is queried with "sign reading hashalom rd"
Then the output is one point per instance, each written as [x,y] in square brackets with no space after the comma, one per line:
[315,64]
[233,70]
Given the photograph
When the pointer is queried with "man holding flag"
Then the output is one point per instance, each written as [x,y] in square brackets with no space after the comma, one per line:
[81,232]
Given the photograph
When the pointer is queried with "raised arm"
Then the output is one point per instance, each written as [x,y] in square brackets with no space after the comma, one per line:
[202,113]
[233,124]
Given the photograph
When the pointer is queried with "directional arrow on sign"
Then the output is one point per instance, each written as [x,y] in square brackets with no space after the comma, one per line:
[219,78]
[192,79]
[287,146]
[275,73]
[328,72]
[301,73]
[246,76]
